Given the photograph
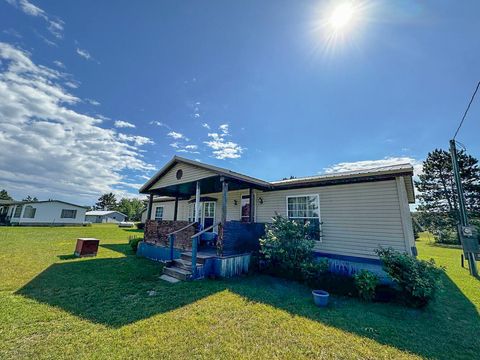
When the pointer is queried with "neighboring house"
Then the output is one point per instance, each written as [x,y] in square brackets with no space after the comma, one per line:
[104,216]
[41,213]
[349,214]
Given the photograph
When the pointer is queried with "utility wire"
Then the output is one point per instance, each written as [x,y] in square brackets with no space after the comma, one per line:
[466,111]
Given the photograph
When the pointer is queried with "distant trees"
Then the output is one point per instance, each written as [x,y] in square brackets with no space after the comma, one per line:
[131,207]
[31,199]
[438,208]
[4,195]
[106,202]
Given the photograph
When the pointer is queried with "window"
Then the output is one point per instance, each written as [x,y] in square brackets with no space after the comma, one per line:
[18,211]
[306,209]
[245,208]
[68,214]
[29,212]
[159,213]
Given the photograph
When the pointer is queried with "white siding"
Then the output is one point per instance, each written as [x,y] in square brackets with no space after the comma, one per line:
[50,212]
[357,218]
[190,173]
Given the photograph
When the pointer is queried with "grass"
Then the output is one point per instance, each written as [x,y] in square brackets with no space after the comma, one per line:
[114,306]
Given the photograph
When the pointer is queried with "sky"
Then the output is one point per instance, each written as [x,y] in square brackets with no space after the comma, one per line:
[95,96]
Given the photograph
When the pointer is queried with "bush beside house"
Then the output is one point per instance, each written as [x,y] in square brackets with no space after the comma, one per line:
[286,251]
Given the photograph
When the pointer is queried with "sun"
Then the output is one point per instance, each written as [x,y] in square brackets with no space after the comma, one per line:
[342,17]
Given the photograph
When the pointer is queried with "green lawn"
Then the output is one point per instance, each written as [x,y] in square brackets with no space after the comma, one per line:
[114,306]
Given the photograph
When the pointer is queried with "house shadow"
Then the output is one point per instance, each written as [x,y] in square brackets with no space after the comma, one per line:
[111,291]
[120,291]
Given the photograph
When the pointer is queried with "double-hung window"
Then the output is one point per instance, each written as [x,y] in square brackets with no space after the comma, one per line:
[159,213]
[29,212]
[18,211]
[306,210]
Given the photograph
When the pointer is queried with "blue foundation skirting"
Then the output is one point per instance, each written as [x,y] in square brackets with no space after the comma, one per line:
[155,252]
[350,265]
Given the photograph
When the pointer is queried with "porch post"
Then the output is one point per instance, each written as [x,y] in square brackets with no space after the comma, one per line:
[175,211]
[252,207]
[197,202]
[224,200]
[149,208]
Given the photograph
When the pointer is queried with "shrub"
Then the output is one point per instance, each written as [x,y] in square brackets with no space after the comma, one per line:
[312,270]
[417,279]
[133,242]
[140,226]
[446,236]
[285,247]
[366,283]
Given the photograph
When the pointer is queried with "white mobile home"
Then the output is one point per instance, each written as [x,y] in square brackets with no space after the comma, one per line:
[350,214]
[42,213]
[104,216]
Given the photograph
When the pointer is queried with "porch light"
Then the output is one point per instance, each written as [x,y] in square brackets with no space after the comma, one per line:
[235,202]
[260,200]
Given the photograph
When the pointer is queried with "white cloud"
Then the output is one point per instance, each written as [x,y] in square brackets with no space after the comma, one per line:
[191,147]
[93,102]
[176,135]
[224,128]
[55,26]
[48,149]
[84,53]
[369,164]
[123,124]
[206,126]
[222,149]
[159,123]
[13,32]
[59,64]
[175,145]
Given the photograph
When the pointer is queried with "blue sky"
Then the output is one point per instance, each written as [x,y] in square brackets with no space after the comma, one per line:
[94,96]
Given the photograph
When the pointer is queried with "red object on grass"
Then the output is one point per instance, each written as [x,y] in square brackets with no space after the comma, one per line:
[86,247]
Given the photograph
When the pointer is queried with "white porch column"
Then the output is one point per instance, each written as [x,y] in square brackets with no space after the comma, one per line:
[197,202]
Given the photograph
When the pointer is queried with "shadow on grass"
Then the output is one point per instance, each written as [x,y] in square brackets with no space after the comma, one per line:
[117,291]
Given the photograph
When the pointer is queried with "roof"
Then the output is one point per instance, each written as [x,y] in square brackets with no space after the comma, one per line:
[215,169]
[13,202]
[103,212]
[384,170]
[378,173]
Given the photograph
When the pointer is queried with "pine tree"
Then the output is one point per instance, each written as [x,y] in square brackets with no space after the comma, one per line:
[4,195]
[106,202]
[437,192]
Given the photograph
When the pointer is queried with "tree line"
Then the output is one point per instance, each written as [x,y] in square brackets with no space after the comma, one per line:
[132,208]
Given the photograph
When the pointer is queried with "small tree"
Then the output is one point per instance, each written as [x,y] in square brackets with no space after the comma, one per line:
[131,207]
[106,202]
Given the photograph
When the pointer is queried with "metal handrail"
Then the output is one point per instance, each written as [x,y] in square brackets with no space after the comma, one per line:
[205,230]
[185,227]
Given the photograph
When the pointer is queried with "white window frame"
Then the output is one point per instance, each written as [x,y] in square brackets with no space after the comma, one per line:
[319,212]
[68,217]
[34,210]
[163,212]
[15,211]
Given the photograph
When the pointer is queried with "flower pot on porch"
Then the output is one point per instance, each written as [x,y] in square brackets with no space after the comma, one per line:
[320,297]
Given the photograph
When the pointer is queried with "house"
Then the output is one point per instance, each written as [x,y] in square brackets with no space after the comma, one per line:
[349,215]
[104,216]
[41,213]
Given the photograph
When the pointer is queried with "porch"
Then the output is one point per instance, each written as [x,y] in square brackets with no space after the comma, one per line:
[201,239]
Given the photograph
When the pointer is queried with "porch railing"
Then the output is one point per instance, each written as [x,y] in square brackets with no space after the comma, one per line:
[195,239]
[172,236]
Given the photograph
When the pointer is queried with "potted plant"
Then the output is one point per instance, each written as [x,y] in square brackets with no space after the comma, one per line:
[320,297]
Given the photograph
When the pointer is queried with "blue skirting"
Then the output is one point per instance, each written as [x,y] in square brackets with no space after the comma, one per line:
[156,252]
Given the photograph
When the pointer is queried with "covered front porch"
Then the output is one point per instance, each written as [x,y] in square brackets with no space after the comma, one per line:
[202,225]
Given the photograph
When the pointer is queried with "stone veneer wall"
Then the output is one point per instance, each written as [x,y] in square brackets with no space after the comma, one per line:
[156,233]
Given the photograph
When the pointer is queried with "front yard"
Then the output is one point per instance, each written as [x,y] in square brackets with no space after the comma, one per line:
[114,306]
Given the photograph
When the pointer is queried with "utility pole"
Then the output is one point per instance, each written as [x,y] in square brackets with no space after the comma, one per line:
[466,233]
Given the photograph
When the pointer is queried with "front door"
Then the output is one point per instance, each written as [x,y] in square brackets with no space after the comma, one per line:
[207,213]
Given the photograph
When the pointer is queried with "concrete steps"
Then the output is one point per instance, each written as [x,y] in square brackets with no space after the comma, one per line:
[177,273]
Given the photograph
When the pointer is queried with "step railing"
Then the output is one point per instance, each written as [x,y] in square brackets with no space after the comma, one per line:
[195,239]
[173,235]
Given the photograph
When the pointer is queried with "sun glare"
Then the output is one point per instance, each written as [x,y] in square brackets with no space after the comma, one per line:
[342,16]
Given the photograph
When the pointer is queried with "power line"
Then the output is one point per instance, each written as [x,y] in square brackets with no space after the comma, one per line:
[466,111]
